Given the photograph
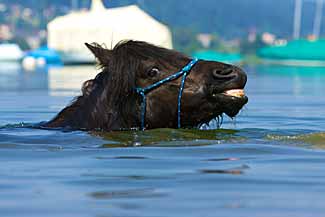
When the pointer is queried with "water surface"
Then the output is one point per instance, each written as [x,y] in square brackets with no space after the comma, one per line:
[269,161]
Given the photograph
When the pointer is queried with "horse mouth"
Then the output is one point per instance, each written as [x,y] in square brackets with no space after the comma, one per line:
[230,101]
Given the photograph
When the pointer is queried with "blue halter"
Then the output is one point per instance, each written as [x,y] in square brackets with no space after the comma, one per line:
[143,91]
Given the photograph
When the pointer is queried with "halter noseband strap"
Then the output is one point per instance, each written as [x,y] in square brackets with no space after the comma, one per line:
[143,91]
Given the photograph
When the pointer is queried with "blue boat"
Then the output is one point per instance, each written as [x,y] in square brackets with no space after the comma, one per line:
[50,56]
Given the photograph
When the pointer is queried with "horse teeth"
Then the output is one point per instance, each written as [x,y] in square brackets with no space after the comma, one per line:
[235,93]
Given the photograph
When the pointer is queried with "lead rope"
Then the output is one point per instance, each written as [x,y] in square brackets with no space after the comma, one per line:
[143,91]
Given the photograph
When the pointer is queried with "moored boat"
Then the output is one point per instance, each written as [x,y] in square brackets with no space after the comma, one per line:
[10,53]
[300,52]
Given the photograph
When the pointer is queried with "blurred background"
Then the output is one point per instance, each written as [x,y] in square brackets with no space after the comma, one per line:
[226,30]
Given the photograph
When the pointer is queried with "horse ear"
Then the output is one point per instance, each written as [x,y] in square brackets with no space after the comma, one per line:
[102,54]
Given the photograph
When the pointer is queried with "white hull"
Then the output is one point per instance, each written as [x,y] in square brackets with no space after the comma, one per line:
[9,60]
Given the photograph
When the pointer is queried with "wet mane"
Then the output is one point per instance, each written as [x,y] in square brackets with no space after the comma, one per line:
[138,50]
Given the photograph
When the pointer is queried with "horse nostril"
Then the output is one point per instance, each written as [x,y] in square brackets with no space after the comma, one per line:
[222,73]
[227,71]
[216,72]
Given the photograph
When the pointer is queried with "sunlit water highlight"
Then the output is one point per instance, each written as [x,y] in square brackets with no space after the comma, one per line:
[268,162]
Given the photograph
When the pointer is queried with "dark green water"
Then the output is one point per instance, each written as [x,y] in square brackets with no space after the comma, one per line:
[268,162]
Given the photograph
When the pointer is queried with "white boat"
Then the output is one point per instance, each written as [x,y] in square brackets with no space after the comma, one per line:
[67,34]
[10,53]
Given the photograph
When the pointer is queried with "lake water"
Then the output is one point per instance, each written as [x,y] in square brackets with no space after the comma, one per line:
[268,162]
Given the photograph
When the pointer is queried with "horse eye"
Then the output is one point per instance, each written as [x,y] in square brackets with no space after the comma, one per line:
[153,72]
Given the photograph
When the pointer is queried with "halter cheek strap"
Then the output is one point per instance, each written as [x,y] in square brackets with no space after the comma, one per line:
[143,91]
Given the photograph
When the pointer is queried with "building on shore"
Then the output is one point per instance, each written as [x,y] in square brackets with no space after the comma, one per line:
[67,34]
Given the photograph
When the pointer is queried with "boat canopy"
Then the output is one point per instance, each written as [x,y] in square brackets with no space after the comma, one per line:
[105,26]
